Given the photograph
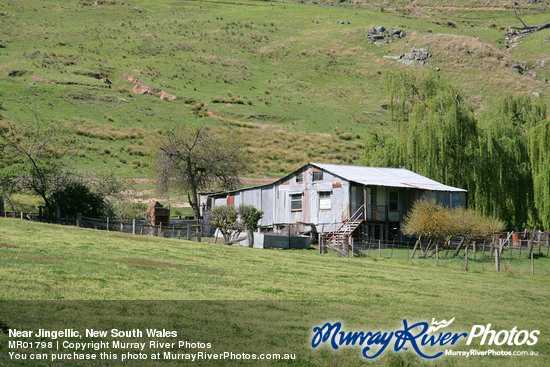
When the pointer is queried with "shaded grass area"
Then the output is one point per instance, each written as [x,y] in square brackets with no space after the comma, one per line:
[51,262]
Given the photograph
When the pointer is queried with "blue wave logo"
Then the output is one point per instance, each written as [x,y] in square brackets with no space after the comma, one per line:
[415,336]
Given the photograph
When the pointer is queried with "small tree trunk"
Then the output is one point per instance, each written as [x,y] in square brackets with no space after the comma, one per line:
[414,248]
[459,247]
[226,237]
[250,238]
[428,246]
[193,201]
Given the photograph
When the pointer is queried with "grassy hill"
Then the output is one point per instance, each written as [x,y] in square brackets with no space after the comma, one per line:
[288,78]
[50,262]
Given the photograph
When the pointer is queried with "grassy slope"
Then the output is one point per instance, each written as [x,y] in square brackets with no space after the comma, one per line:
[41,261]
[291,73]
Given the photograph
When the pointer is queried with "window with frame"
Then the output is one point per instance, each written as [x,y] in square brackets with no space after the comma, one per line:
[325,200]
[296,202]
[394,201]
[300,177]
[317,176]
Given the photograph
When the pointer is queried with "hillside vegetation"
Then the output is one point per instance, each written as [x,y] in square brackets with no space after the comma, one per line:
[298,81]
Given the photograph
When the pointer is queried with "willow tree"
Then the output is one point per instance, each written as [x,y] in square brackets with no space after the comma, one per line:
[433,130]
[502,157]
[503,170]
[539,154]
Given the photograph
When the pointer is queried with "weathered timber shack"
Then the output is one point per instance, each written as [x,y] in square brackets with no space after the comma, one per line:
[364,202]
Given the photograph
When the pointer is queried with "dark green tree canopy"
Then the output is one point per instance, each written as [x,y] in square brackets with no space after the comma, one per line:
[74,198]
[500,156]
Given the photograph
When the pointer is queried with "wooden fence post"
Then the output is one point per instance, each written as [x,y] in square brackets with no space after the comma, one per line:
[198,233]
[408,251]
[159,232]
[497,260]
[21,215]
[122,226]
[78,219]
[134,226]
[436,254]
[188,232]
[379,248]
[532,264]
[107,223]
[466,256]
[352,252]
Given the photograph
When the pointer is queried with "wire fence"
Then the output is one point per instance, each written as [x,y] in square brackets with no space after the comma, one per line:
[482,249]
[501,253]
[180,229]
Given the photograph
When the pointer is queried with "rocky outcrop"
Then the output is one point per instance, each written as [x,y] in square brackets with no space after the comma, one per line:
[416,56]
[381,36]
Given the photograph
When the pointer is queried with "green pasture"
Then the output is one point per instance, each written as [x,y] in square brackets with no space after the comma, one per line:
[51,262]
[290,81]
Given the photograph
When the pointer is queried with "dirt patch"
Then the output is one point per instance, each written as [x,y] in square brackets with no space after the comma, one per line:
[40,79]
[214,271]
[8,246]
[145,263]
[140,88]
[37,257]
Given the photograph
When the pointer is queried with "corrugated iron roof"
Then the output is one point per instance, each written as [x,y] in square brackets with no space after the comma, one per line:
[382,176]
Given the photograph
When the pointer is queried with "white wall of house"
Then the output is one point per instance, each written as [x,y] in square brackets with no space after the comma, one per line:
[312,196]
